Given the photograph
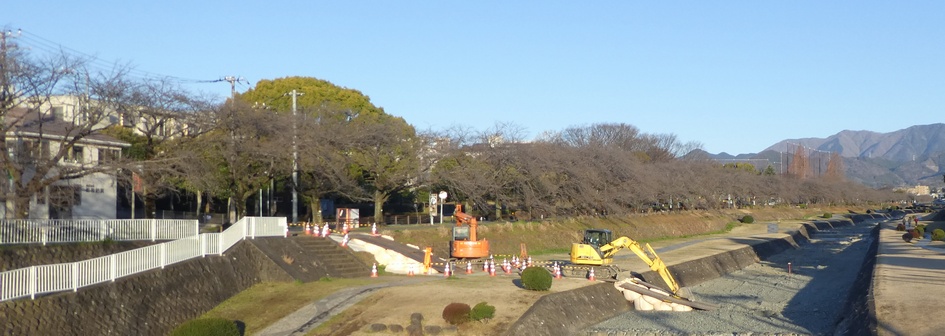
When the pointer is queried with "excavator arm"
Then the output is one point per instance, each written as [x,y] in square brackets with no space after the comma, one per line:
[646,253]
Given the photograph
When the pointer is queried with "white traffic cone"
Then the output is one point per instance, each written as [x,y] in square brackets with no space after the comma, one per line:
[557,271]
[469,267]
[374,229]
[344,241]
[374,270]
[410,269]
[590,276]
[446,270]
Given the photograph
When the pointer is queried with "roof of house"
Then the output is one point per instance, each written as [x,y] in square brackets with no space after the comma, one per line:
[32,125]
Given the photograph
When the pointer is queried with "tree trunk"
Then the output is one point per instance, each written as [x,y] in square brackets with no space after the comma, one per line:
[379,199]
[498,210]
[21,207]
[199,201]
[150,206]
[316,206]
[230,211]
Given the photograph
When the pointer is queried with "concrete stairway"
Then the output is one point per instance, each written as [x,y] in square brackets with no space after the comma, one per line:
[338,261]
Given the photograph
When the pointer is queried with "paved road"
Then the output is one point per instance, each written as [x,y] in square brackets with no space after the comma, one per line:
[908,285]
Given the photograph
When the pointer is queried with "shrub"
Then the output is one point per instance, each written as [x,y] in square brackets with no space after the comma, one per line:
[536,278]
[748,219]
[827,215]
[938,234]
[456,313]
[483,310]
[921,230]
[207,326]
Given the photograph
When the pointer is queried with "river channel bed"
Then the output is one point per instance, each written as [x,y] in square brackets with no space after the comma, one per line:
[767,298]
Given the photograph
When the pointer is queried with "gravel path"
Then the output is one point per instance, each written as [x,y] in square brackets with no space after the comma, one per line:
[765,299]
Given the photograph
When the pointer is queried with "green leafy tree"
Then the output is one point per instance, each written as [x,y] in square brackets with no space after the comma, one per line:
[347,146]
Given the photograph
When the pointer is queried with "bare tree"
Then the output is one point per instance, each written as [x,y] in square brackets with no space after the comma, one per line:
[240,154]
[43,142]
[157,117]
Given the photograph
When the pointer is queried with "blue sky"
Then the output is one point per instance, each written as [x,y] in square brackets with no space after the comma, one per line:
[735,76]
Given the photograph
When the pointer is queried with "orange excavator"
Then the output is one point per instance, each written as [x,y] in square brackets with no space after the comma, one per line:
[465,243]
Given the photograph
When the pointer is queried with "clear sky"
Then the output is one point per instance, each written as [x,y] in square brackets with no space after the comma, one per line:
[735,76]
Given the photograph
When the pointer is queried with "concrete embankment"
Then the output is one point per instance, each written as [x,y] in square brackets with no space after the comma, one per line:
[569,312]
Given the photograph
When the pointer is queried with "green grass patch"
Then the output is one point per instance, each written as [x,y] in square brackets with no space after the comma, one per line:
[266,303]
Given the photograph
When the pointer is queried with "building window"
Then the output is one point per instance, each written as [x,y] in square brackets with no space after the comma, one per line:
[33,151]
[108,155]
[59,112]
[76,154]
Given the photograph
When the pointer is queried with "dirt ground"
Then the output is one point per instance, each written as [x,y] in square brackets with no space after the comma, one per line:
[395,305]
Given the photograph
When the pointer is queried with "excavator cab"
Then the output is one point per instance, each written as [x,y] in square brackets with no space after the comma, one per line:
[598,237]
[464,244]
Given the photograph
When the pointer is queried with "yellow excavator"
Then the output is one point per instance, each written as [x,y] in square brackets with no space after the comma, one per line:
[598,249]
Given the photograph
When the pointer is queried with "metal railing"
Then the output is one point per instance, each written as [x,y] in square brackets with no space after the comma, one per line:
[35,280]
[43,231]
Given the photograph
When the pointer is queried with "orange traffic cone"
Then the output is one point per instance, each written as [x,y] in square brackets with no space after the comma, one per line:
[374,270]
[344,241]
[590,275]
[410,270]
[446,270]
[468,267]
[492,268]
[557,271]
[374,229]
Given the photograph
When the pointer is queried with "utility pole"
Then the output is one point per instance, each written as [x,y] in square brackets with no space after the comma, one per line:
[295,157]
[233,80]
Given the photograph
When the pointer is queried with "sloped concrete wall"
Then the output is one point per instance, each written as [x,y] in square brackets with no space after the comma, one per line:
[568,312]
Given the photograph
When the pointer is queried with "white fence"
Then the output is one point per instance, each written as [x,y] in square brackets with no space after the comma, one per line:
[36,231]
[43,279]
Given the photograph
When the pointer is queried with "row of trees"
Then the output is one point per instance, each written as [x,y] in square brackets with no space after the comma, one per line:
[344,147]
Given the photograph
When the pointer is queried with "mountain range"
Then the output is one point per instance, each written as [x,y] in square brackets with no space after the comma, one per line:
[907,157]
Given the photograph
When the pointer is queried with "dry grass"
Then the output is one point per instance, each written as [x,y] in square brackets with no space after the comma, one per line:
[288,259]
[266,303]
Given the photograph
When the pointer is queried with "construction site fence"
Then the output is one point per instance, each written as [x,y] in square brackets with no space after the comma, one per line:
[36,280]
[44,231]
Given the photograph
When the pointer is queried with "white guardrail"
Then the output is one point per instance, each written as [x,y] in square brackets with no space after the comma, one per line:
[43,279]
[43,231]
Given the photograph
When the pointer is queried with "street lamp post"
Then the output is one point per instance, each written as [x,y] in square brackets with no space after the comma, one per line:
[432,207]
[442,196]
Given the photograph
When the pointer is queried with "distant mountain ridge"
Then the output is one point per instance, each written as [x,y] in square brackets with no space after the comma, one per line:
[902,145]
[910,156]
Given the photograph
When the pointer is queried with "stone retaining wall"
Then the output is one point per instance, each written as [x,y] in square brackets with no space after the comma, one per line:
[19,256]
[151,303]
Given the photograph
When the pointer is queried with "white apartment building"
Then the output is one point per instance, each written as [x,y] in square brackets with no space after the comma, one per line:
[35,139]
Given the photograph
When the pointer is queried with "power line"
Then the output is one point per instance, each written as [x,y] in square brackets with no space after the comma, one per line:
[33,41]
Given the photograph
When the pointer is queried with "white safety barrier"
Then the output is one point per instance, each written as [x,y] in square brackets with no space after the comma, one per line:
[43,279]
[645,302]
[43,231]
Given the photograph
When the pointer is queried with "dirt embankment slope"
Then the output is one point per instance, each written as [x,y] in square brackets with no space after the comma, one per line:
[556,236]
